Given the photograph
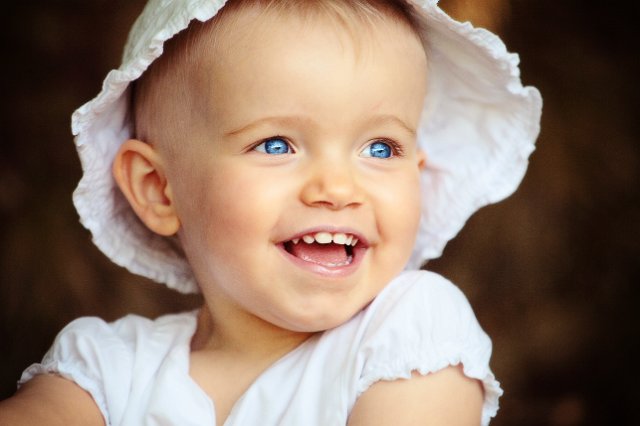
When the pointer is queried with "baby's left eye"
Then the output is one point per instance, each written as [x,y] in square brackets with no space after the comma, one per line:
[378,149]
[274,146]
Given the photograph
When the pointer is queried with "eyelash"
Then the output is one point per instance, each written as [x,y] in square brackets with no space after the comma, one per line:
[396,148]
[273,139]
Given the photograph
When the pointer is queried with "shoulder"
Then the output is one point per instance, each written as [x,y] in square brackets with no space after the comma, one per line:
[420,325]
[420,289]
[93,343]
[421,305]
[108,360]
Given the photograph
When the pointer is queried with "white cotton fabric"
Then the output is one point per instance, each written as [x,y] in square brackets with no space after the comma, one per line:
[478,129]
[137,370]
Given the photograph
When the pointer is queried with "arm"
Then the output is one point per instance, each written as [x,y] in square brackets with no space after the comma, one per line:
[50,400]
[444,398]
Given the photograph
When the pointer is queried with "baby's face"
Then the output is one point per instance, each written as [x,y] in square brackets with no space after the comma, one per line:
[298,186]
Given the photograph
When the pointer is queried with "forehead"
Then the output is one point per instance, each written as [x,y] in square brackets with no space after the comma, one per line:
[170,94]
[355,21]
[229,70]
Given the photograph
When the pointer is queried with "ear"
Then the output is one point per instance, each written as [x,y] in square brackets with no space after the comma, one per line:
[422,159]
[138,171]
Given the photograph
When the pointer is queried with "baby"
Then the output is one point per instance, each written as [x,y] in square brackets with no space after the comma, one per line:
[295,162]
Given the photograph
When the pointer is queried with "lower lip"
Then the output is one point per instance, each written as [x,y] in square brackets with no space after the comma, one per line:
[327,271]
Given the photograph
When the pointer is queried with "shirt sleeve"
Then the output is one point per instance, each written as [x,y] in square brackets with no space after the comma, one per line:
[424,323]
[91,353]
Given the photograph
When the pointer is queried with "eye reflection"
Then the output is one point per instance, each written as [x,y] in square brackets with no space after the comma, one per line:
[275,146]
[378,149]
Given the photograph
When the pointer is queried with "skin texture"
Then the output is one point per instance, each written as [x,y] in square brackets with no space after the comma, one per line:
[52,401]
[446,397]
[328,95]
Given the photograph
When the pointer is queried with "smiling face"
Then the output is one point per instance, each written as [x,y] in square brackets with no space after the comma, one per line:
[297,187]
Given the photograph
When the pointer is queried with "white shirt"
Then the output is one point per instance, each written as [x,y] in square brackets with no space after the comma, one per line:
[137,369]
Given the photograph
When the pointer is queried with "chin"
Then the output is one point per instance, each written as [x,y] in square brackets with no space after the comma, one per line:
[322,320]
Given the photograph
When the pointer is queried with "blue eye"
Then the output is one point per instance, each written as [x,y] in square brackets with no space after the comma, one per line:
[275,146]
[378,149]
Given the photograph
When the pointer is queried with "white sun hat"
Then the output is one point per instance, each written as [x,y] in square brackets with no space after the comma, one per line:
[478,129]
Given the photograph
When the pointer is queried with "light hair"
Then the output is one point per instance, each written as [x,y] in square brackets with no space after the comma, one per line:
[166,81]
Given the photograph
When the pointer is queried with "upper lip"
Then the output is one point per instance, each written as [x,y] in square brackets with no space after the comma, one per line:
[362,240]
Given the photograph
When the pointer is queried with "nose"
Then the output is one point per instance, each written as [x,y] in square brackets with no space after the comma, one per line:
[332,185]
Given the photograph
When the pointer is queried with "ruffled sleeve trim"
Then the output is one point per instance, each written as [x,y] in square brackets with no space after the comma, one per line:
[423,323]
[114,362]
[89,352]
[492,389]
[70,371]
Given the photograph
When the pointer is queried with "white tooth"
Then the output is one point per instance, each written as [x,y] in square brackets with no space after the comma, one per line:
[296,240]
[339,238]
[354,242]
[308,239]
[349,239]
[323,237]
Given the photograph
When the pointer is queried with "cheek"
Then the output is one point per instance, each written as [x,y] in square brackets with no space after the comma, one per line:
[399,214]
[202,198]
[216,227]
[230,208]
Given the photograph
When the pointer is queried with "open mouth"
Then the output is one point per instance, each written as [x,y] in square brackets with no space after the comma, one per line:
[331,250]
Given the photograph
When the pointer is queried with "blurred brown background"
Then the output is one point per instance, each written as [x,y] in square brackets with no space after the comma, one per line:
[552,272]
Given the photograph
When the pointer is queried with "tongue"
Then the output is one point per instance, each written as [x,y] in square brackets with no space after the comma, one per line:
[322,254]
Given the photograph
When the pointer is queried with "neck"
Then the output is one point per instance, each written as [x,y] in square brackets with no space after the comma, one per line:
[231,348]
[241,334]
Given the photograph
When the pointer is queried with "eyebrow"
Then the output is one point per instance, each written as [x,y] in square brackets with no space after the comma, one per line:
[291,120]
[392,119]
[280,120]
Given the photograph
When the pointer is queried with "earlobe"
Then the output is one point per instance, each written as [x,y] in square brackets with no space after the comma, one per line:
[422,160]
[138,171]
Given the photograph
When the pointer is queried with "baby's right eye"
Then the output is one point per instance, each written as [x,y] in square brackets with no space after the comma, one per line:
[274,146]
